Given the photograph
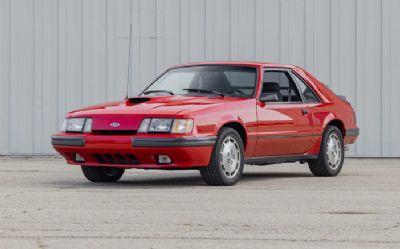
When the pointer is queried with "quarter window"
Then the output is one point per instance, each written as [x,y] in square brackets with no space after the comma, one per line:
[308,93]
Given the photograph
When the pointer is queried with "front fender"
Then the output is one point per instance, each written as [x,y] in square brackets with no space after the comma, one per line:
[229,119]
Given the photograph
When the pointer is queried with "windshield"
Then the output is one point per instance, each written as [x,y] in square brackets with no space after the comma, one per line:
[234,81]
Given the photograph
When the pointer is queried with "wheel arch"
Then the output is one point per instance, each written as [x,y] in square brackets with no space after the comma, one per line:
[339,124]
[239,127]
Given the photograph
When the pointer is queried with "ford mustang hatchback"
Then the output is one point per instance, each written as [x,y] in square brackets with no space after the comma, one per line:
[214,117]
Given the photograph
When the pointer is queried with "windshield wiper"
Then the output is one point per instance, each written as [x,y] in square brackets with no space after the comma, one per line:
[203,91]
[158,91]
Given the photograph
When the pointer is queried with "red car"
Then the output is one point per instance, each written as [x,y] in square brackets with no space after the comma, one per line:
[214,117]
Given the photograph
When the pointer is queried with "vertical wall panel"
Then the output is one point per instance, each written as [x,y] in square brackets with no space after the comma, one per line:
[221,28]
[184,31]
[393,118]
[110,50]
[147,51]
[71,55]
[39,11]
[196,30]
[46,117]
[271,31]
[369,80]
[244,31]
[319,54]
[386,77]
[347,53]
[59,55]
[5,79]
[209,35]
[296,16]
[160,66]
[94,54]
[121,18]
[333,81]
[171,37]
[22,76]
[137,42]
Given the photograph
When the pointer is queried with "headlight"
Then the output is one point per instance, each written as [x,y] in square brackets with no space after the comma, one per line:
[166,125]
[144,126]
[160,125]
[182,126]
[77,125]
[64,125]
[88,125]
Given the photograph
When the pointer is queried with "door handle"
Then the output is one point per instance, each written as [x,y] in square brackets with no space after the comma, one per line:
[305,111]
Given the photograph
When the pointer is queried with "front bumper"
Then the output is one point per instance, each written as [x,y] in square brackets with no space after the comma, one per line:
[134,152]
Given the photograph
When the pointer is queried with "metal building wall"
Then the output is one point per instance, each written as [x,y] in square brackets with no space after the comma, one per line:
[57,55]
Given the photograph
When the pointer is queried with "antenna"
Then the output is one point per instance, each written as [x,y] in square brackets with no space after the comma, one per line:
[128,82]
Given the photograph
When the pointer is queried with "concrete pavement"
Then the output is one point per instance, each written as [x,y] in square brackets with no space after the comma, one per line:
[46,204]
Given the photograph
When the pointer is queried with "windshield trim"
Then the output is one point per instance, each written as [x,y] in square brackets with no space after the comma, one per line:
[197,65]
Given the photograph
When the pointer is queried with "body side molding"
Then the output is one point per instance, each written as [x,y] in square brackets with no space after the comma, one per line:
[278,159]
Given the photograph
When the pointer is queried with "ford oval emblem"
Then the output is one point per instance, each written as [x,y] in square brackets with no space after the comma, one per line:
[115,124]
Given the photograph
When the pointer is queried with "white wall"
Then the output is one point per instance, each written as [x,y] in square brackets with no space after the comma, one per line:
[57,55]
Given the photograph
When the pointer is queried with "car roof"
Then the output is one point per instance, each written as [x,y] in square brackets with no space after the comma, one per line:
[237,63]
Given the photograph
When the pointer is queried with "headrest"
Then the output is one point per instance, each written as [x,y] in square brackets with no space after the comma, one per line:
[212,78]
[214,81]
[271,87]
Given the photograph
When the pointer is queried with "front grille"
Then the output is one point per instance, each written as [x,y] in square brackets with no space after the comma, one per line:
[115,132]
[123,159]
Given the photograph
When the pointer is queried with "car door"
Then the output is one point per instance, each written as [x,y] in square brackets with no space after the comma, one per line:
[284,125]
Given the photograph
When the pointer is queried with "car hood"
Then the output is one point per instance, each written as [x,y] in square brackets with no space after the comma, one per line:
[157,105]
[129,113]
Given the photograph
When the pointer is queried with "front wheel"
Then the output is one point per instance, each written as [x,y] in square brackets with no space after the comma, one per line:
[102,174]
[331,154]
[226,165]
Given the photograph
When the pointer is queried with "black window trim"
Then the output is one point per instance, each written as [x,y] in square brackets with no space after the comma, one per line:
[281,69]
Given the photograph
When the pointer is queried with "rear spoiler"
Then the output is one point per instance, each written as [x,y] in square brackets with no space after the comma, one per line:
[342,97]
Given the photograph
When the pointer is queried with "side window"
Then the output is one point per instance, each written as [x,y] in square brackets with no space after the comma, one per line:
[308,94]
[278,86]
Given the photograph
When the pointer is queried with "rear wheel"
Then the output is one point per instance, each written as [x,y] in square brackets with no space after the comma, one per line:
[102,174]
[227,162]
[331,154]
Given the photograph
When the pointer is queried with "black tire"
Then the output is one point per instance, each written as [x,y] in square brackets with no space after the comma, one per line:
[214,174]
[321,166]
[102,174]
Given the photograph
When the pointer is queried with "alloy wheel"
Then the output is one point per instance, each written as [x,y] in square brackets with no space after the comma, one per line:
[230,157]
